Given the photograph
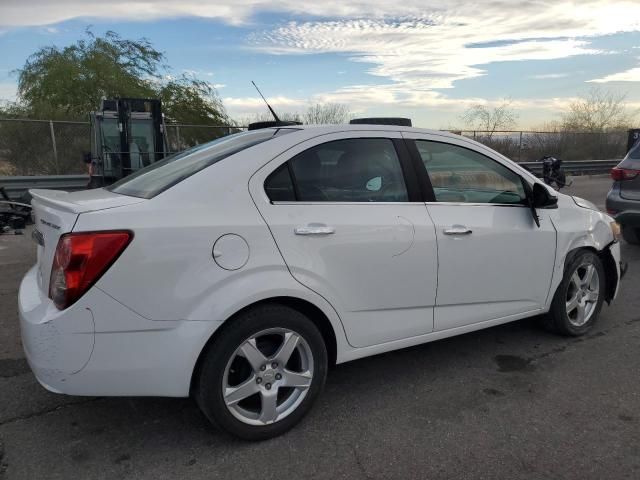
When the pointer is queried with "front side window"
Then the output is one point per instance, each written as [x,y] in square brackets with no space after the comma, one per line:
[351,170]
[458,174]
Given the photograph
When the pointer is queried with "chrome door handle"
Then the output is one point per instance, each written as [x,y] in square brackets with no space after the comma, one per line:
[314,229]
[457,230]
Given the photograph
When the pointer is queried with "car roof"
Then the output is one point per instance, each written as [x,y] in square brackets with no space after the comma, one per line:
[346,127]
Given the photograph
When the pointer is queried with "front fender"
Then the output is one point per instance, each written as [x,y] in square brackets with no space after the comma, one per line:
[577,228]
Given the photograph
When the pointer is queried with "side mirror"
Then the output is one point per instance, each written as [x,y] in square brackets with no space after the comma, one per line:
[541,198]
[538,197]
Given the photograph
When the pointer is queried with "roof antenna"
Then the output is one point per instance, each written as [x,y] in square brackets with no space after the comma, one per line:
[265,101]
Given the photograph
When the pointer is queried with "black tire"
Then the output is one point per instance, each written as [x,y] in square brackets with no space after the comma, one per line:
[211,378]
[558,320]
[631,235]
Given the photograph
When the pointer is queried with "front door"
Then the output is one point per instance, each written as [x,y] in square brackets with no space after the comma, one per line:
[352,229]
[494,262]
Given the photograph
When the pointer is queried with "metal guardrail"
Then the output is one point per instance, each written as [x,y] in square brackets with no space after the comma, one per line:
[16,187]
[581,167]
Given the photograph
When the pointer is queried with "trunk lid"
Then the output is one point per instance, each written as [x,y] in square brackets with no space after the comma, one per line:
[55,213]
[630,189]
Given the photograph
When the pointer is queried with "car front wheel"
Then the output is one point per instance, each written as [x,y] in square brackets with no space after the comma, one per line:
[578,299]
[262,373]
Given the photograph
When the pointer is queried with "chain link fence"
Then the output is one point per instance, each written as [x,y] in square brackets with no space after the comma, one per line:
[180,137]
[523,146]
[42,147]
[46,147]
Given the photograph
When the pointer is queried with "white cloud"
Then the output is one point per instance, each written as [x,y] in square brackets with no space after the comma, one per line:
[243,107]
[421,54]
[415,47]
[197,73]
[549,76]
[632,75]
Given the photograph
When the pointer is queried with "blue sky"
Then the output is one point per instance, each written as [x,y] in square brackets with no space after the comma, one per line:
[422,59]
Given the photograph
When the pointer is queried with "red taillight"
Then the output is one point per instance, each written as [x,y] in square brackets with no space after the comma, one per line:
[620,174]
[80,260]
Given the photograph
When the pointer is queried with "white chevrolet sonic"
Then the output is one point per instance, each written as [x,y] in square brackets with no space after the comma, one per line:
[239,270]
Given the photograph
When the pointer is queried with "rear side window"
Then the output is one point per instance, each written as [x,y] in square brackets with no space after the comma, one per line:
[351,170]
[158,177]
[279,186]
[632,160]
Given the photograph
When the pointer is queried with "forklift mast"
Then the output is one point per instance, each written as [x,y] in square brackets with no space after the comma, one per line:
[126,135]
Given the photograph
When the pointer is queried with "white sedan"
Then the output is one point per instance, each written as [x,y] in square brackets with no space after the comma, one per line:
[240,270]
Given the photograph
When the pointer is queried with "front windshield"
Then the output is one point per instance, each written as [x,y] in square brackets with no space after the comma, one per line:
[158,177]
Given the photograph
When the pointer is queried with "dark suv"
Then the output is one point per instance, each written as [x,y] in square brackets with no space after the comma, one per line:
[623,200]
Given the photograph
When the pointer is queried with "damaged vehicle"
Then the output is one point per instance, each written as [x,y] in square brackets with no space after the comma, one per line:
[240,271]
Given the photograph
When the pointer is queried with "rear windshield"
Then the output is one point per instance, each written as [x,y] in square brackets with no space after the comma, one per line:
[632,160]
[158,177]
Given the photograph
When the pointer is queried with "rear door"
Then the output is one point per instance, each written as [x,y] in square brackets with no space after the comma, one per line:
[494,262]
[348,219]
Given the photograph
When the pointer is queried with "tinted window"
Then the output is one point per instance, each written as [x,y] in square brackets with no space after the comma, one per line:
[353,170]
[632,160]
[157,177]
[279,186]
[462,175]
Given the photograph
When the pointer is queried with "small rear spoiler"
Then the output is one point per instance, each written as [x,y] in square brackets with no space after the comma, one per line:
[81,201]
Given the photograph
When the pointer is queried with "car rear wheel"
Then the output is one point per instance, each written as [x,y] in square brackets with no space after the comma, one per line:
[631,235]
[578,299]
[263,372]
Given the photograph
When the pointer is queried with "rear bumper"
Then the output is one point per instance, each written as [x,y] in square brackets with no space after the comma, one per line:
[629,218]
[621,207]
[100,347]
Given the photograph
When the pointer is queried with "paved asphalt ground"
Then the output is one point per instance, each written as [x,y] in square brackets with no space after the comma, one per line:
[504,403]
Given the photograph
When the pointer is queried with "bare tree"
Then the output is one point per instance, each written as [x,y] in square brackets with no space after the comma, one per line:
[327,113]
[267,117]
[598,111]
[319,113]
[490,119]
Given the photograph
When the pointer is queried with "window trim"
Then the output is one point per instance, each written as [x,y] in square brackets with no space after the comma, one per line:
[430,197]
[424,181]
[409,177]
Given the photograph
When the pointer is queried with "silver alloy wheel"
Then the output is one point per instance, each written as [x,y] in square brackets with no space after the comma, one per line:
[582,294]
[277,372]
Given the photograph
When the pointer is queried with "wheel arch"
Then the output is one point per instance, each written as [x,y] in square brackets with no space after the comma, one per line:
[608,263]
[307,308]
